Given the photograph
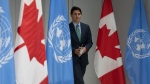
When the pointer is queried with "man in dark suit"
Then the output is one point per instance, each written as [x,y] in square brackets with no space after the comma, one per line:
[81,41]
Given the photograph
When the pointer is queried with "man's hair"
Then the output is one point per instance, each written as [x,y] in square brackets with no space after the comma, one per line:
[75,8]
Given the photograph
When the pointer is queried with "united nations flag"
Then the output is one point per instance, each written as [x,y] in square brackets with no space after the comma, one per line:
[7,72]
[58,47]
[138,46]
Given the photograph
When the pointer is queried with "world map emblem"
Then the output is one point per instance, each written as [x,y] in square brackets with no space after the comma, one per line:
[139,44]
[6,50]
[59,39]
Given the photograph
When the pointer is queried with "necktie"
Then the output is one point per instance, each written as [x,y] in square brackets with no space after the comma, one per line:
[78,32]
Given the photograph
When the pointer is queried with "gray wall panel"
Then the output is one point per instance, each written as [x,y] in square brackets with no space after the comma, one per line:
[13,17]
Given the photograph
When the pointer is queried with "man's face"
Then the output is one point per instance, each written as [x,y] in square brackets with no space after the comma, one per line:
[76,16]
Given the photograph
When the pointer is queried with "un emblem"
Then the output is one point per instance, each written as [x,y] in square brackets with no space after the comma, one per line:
[59,39]
[6,50]
[139,44]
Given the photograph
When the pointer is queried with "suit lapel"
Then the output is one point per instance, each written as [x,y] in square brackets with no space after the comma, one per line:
[82,31]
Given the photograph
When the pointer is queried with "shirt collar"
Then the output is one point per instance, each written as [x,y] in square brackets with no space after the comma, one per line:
[76,24]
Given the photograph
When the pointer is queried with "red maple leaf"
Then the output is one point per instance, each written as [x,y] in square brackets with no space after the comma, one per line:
[107,44]
[32,33]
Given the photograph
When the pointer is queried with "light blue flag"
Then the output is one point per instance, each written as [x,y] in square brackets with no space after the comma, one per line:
[58,45]
[138,47]
[7,72]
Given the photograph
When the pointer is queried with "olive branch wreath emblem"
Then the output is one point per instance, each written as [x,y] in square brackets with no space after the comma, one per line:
[6,58]
[60,59]
[129,44]
[9,55]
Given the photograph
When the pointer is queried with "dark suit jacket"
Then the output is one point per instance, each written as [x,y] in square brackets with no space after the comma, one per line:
[86,40]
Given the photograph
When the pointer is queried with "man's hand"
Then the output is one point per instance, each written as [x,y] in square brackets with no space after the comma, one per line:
[79,51]
[82,50]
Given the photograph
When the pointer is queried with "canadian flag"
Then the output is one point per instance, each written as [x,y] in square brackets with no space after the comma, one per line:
[30,53]
[108,60]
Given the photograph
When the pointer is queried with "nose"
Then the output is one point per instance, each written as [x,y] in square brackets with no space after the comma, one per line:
[77,15]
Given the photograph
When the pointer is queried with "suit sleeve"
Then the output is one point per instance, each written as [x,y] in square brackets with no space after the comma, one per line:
[89,40]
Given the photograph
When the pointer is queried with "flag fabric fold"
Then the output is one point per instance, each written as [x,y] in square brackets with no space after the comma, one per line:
[7,70]
[108,59]
[58,45]
[30,53]
[138,49]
